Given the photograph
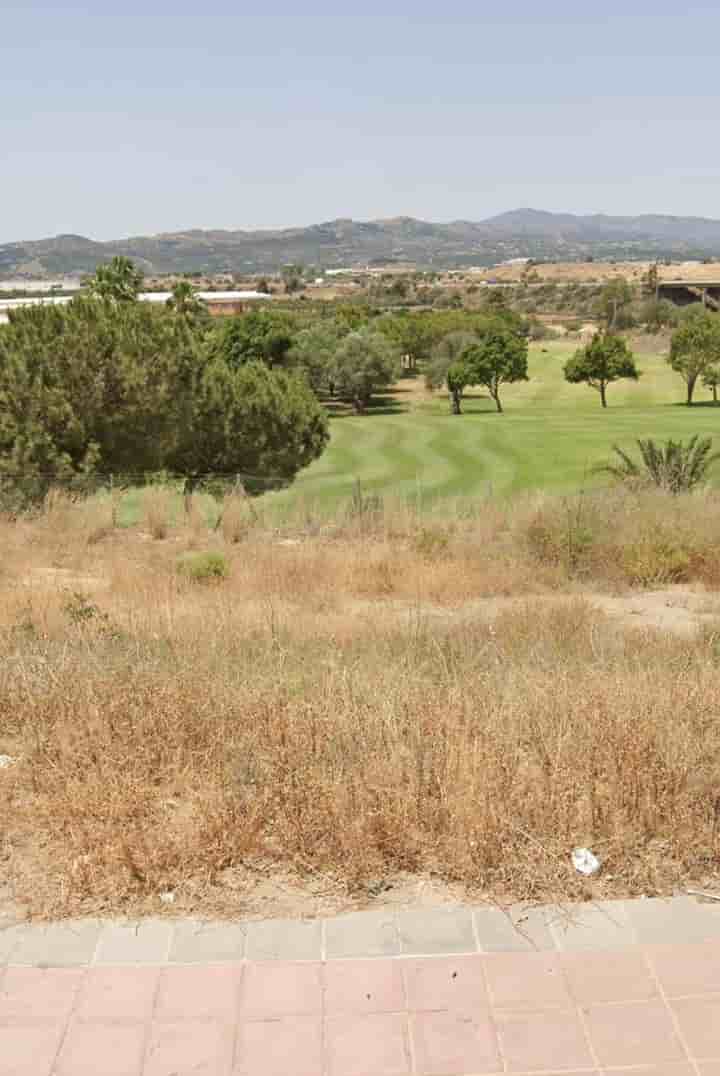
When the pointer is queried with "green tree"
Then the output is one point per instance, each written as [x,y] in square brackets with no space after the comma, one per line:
[444,358]
[119,281]
[500,357]
[258,336]
[95,389]
[313,351]
[604,360]
[410,334]
[711,380]
[262,424]
[364,363]
[695,346]
[614,303]
[90,387]
[459,375]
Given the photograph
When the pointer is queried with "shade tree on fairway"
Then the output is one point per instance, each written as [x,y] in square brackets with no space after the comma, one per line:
[500,357]
[364,363]
[711,380]
[695,347]
[604,360]
[445,357]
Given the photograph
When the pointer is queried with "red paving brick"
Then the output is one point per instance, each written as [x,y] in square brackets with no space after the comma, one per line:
[455,1042]
[633,1033]
[371,1045]
[280,1047]
[543,1039]
[652,1011]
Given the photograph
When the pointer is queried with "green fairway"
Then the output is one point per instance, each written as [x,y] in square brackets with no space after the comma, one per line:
[550,436]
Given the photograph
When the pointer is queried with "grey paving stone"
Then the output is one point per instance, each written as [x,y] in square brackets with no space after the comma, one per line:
[56,945]
[424,931]
[362,934]
[672,921]
[146,941]
[284,939]
[10,934]
[196,941]
[519,929]
[592,927]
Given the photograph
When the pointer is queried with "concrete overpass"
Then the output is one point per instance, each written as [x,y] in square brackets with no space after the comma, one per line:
[686,292]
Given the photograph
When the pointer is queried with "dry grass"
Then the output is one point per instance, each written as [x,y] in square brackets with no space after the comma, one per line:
[313,712]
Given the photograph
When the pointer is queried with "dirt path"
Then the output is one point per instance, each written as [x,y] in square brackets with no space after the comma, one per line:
[679,610]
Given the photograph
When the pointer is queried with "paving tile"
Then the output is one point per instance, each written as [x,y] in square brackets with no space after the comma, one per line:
[675,921]
[679,1068]
[281,1047]
[551,1039]
[69,944]
[687,969]
[526,980]
[110,1049]
[196,993]
[196,941]
[454,983]
[369,1045]
[424,931]
[636,1033]
[454,1043]
[519,929]
[29,1052]
[284,939]
[117,995]
[597,977]
[10,934]
[699,1020]
[37,997]
[364,986]
[144,942]
[588,927]
[277,989]
[190,1049]
[362,934]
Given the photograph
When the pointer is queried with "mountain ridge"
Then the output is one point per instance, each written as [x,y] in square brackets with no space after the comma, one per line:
[524,232]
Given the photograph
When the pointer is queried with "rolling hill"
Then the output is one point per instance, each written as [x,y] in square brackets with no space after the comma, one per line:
[345,242]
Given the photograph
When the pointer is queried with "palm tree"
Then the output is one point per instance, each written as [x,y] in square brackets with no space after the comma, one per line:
[675,466]
[185,302]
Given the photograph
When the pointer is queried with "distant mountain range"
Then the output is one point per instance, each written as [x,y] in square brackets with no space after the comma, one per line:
[348,243]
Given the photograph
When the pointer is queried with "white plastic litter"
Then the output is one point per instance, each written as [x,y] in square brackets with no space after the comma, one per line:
[168,897]
[6,760]
[584,861]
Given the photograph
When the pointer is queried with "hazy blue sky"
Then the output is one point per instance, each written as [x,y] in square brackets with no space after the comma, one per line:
[147,117]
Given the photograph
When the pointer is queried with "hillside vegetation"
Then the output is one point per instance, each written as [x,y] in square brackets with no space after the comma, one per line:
[520,233]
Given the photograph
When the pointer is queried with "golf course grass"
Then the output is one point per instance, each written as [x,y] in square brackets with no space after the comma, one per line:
[550,436]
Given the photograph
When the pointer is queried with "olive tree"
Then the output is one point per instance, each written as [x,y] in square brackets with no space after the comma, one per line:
[364,363]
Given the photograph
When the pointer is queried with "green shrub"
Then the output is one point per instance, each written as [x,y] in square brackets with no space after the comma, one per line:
[203,567]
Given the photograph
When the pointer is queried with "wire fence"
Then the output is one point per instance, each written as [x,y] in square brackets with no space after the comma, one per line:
[23,490]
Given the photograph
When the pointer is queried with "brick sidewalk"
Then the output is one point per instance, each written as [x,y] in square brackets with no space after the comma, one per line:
[438,992]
